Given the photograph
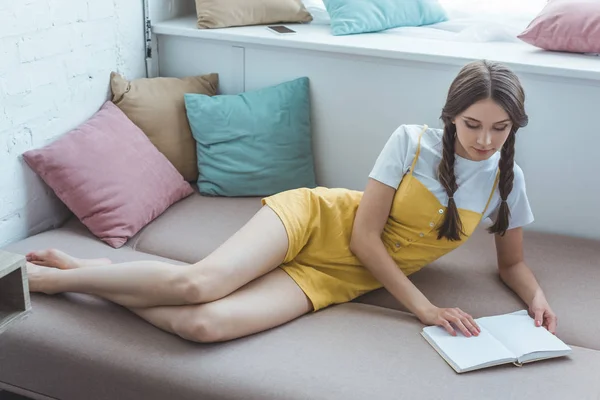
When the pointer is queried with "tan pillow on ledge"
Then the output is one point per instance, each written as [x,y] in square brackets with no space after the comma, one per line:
[227,13]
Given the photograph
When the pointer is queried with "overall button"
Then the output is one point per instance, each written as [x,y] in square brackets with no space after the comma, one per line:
[421,234]
[441,211]
[432,224]
[397,244]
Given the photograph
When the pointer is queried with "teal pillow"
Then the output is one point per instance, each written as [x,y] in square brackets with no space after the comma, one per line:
[255,143]
[362,16]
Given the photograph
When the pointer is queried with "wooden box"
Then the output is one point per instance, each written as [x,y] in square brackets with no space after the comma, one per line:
[15,302]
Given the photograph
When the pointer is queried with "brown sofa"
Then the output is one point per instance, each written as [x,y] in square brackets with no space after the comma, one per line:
[77,346]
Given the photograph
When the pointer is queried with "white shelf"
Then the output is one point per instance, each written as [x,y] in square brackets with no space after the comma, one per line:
[521,57]
[15,303]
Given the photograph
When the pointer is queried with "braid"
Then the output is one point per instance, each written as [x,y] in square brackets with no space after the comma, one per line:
[451,228]
[505,184]
[477,81]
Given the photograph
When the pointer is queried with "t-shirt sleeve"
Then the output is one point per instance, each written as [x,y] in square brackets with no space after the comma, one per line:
[518,203]
[394,159]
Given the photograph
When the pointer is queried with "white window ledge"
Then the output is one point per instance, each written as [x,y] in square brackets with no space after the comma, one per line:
[521,57]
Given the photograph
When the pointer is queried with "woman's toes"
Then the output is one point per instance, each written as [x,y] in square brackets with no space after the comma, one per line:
[51,258]
[34,256]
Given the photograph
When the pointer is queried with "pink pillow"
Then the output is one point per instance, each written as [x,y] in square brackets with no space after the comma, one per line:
[566,25]
[109,174]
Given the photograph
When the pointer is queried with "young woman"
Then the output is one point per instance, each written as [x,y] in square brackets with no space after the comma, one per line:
[307,249]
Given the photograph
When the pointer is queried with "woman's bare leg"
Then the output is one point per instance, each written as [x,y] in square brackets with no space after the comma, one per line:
[257,248]
[265,303]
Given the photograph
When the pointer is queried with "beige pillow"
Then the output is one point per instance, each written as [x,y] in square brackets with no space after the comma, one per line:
[157,107]
[226,13]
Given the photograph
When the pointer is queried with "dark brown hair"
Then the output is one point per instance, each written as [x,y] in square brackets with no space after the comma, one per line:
[480,80]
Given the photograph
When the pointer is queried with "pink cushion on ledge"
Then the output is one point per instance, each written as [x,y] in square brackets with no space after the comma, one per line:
[566,25]
[109,174]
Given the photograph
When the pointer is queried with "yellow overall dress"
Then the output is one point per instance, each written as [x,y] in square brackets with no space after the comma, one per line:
[319,225]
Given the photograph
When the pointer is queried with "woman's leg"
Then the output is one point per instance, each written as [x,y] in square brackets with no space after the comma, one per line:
[257,248]
[265,303]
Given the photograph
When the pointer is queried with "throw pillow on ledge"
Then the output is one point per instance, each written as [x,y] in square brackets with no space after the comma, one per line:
[227,13]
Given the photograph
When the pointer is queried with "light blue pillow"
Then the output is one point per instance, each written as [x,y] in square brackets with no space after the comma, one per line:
[255,143]
[362,16]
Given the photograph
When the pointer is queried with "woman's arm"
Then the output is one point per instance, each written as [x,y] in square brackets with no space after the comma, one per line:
[516,275]
[366,244]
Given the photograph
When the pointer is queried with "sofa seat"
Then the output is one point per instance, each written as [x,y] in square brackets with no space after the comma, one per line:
[75,346]
[195,226]
[80,347]
[567,268]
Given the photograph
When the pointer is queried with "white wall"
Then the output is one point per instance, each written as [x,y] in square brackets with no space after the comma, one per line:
[358,101]
[55,61]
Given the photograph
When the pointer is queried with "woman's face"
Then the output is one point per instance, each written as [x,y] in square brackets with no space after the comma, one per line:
[481,130]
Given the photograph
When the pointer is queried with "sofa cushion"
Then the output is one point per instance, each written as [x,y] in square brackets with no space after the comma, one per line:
[351,351]
[194,227]
[566,268]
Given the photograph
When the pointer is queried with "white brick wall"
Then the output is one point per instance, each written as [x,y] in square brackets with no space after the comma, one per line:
[55,61]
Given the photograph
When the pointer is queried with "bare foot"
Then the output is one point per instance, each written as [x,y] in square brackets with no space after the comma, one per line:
[37,275]
[58,259]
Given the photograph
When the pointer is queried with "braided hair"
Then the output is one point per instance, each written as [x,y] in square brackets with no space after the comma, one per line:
[480,80]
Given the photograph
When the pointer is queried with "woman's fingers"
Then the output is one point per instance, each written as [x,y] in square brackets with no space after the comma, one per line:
[455,316]
[539,317]
[448,318]
[460,324]
[463,321]
[473,327]
[552,322]
[444,323]
[469,324]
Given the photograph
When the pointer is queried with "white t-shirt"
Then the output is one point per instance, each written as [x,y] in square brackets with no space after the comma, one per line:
[475,179]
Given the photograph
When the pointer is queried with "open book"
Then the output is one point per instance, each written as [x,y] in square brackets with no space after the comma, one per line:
[508,338]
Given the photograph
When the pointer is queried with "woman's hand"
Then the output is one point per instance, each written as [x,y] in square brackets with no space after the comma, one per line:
[445,317]
[540,311]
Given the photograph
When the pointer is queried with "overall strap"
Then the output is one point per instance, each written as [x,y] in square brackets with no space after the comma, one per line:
[492,192]
[412,167]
